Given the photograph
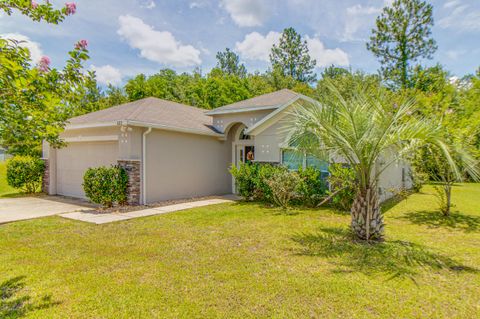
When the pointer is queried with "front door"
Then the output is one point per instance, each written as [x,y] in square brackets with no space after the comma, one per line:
[243,154]
[240,155]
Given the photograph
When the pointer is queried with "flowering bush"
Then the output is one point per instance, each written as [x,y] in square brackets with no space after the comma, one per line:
[70,8]
[44,64]
[37,101]
[81,45]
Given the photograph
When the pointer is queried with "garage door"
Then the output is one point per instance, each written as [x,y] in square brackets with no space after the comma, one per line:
[74,160]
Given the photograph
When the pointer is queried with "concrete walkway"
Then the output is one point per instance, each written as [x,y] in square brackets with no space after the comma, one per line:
[21,208]
[97,218]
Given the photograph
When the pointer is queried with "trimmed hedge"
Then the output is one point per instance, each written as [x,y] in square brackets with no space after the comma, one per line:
[106,185]
[25,173]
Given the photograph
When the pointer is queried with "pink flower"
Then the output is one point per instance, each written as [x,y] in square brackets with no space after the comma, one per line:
[70,8]
[449,111]
[81,45]
[44,64]
[34,5]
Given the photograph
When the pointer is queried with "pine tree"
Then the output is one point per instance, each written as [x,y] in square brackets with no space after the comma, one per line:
[401,37]
[291,57]
[229,63]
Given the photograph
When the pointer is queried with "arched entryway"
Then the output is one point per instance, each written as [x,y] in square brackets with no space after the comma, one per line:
[243,147]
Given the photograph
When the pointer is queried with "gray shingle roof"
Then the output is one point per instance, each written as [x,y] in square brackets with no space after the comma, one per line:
[266,101]
[152,110]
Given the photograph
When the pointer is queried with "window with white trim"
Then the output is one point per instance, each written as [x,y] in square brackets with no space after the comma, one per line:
[294,160]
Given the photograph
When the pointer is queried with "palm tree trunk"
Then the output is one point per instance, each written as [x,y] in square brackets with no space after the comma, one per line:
[367,219]
[448,195]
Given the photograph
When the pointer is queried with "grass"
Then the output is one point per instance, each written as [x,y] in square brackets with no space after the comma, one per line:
[5,189]
[246,261]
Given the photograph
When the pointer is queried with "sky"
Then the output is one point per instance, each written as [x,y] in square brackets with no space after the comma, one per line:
[128,37]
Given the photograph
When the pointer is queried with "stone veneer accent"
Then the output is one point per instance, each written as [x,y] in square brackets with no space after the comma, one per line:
[46,176]
[132,167]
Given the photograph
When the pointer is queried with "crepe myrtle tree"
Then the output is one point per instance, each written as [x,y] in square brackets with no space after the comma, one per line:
[35,98]
[362,130]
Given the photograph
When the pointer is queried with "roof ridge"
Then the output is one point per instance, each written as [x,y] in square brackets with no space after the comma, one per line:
[270,100]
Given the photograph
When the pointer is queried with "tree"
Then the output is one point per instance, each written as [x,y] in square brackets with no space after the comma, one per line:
[363,129]
[347,82]
[291,57]
[229,63]
[36,100]
[430,160]
[401,37]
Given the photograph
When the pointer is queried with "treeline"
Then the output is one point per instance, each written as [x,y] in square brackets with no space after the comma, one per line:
[37,100]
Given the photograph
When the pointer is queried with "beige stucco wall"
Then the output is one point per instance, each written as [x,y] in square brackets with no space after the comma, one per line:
[223,122]
[91,132]
[130,143]
[181,165]
[393,178]
[268,143]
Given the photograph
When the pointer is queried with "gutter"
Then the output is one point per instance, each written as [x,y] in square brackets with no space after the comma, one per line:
[242,110]
[144,165]
[172,128]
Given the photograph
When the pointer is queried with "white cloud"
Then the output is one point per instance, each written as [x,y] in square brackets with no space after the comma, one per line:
[256,46]
[454,54]
[150,4]
[197,4]
[157,46]
[34,47]
[461,17]
[358,18]
[451,3]
[324,56]
[247,13]
[107,74]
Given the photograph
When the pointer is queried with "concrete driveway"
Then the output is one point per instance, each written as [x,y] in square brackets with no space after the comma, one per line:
[20,208]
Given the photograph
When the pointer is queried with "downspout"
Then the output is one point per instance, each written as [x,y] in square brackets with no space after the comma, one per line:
[144,165]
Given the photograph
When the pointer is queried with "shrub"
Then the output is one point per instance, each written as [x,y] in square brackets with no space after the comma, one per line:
[283,185]
[25,172]
[106,185]
[418,179]
[343,181]
[263,190]
[251,180]
[311,188]
[245,179]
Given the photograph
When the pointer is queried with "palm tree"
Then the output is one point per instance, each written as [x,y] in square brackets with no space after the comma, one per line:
[364,130]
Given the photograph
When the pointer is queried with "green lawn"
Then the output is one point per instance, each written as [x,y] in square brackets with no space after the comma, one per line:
[5,190]
[244,260]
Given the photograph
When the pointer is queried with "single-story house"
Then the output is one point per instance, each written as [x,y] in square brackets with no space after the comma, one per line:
[174,151]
